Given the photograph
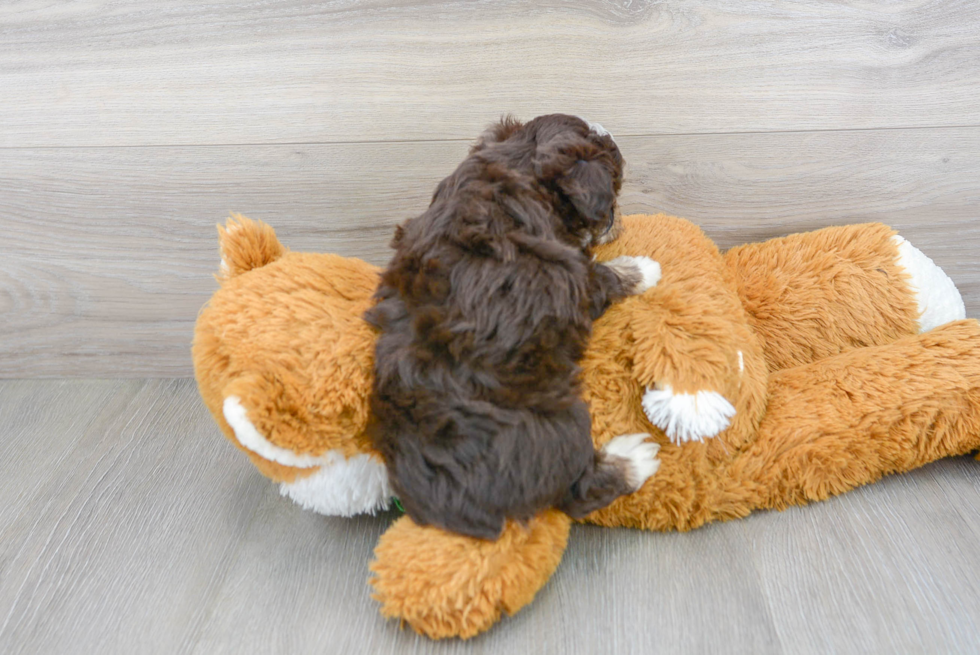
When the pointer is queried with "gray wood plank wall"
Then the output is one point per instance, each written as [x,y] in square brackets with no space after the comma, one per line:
[128,130]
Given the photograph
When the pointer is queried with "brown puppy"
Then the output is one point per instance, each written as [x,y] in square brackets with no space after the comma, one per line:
[484,312]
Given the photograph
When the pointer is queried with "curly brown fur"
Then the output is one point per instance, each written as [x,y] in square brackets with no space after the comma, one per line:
[484,312]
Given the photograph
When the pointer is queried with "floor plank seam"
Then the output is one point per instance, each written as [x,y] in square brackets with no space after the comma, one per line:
[624,135]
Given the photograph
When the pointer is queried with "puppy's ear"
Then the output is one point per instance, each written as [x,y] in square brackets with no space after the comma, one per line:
[590,187]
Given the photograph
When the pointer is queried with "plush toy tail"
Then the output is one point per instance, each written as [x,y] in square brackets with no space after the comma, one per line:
[246,244]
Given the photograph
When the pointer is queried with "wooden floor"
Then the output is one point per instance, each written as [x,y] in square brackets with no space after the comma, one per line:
[130,525]
[128,129]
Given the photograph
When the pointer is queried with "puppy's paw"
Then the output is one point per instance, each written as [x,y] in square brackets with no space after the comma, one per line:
[637,273]
[640,456]
[687,416]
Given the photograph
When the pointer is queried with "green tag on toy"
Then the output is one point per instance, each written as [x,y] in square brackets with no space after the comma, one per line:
[398,504]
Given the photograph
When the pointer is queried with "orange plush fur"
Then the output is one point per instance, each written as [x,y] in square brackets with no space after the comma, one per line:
[811,338]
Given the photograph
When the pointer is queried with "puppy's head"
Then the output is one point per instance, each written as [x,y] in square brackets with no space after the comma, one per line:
[578,161]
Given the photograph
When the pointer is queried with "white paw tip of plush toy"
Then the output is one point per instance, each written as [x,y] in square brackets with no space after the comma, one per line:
[338,487]
[687,417]
[935,293]
[639,453]
[648,270]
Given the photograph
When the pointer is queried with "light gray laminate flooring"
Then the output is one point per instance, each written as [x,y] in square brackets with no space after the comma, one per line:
[130,525]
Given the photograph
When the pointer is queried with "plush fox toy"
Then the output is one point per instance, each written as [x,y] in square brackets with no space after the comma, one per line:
[773,375]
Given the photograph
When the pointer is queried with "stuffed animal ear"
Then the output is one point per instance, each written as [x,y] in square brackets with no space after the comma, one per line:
[246,244]
[590,187]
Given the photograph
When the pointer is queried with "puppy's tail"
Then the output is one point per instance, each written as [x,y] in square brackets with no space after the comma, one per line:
[246,244]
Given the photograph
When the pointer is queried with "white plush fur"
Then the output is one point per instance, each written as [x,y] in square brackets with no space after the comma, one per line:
[937,297]
[651,273]
[641,454]
[687,417]
[340,486]
[249,436]
[649,270]
[344,487]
